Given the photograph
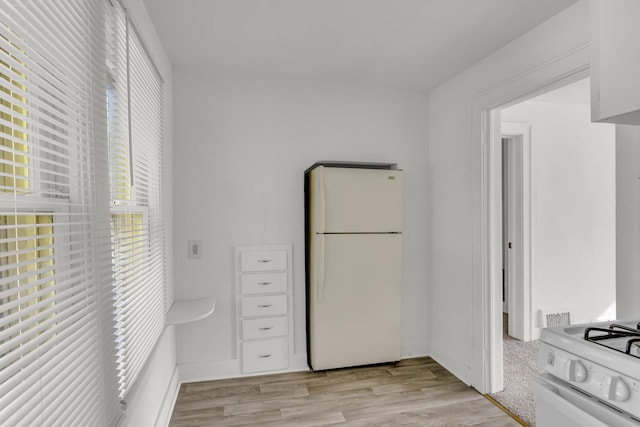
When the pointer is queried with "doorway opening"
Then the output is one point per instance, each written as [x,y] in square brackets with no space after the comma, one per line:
[554,190]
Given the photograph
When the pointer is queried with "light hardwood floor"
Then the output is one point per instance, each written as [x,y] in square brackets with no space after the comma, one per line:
[413,392]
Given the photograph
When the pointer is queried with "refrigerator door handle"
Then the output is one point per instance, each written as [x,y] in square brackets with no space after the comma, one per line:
[320,196]
[320,267]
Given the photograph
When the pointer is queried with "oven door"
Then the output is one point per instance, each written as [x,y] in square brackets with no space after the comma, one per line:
[560,404]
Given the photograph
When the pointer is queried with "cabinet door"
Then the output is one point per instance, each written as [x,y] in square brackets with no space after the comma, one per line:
[615,61]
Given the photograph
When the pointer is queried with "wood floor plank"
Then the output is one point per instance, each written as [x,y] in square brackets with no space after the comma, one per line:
[344,385]
[257,418]
[185,415]
[265,401]
[411,370]
[328,380]
[353,403]
[465,414]
[239,399]
[460,414]
[324,419]
[416,385]
[395,405]
[254,380]
[362,371]
[412,392]
[212,393]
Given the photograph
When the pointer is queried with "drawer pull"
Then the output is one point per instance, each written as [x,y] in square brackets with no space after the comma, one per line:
[264,356]
[264,260]
[264,305]
[265,328]
[264,283]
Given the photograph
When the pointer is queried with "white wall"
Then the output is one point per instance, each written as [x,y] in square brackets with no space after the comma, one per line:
[455,253]
[152,397]
[572,210]
[628,220]
[243,144]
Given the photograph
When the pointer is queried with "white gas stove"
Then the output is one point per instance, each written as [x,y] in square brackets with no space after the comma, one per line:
[591,375]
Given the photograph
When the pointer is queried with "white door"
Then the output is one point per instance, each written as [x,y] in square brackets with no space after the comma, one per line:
[353,200]
[514,238]
[517,227]
[354,311]
[505,225]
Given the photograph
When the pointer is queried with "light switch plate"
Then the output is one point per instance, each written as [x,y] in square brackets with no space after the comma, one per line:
[194,249]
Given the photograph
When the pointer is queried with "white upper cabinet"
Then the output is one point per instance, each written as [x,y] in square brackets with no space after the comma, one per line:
[615,61]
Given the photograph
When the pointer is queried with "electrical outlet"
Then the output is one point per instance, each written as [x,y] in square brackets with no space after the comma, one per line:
[194,249]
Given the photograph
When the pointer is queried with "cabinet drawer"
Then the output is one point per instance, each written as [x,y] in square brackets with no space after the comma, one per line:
[263,260]
[270,305]
[263,283]
[265,355]
[264,328]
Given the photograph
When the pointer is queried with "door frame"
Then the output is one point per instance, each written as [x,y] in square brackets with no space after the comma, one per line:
[519,290]
[486,203]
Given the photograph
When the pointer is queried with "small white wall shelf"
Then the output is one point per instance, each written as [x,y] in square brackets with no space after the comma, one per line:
[190,310]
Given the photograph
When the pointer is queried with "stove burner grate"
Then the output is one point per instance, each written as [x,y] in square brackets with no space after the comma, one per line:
[598,335]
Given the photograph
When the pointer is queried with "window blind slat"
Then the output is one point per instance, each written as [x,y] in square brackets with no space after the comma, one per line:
[40,314]
[56,279]
[58,368]
[56,329]
[45,333]
[137,241]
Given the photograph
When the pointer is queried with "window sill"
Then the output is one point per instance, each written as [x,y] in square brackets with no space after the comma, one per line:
[190,311]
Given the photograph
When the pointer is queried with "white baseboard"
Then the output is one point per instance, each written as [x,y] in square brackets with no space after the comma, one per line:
[169,401]
[222,369]
[414,356]
[217,370]
[299,362]
[207,371]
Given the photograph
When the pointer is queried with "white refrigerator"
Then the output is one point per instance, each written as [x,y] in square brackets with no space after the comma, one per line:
[353,263]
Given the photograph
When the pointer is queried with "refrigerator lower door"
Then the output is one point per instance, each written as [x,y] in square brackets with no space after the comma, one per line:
[354,306]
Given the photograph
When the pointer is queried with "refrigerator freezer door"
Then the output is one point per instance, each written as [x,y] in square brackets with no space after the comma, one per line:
[354,310]
[349,200]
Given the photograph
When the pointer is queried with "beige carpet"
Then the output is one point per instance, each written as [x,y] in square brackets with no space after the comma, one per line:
[519,360]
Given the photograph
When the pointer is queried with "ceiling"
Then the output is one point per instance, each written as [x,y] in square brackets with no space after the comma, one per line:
[410,44]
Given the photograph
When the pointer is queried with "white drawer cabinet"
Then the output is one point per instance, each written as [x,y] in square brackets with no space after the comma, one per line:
[265,355]
[268,305]
[261,283]
[264,307]
[266,327]
[263,261]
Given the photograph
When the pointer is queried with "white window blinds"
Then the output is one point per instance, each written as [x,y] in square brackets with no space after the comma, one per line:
[57,360]
[136,128]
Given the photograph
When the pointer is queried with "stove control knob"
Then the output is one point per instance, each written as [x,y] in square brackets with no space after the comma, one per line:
[575,371]
[614,388]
